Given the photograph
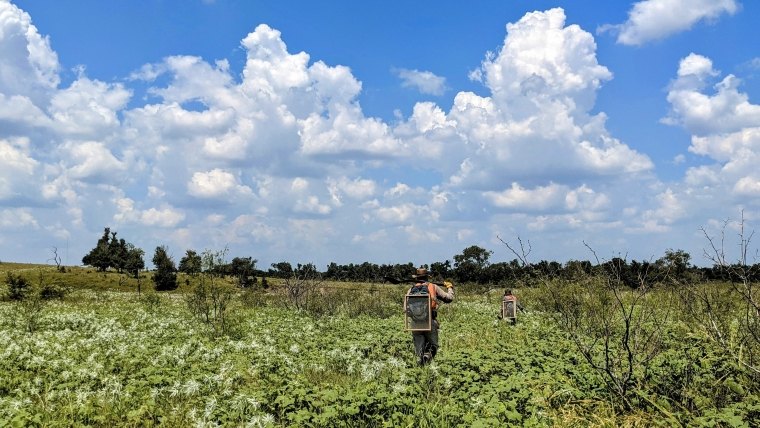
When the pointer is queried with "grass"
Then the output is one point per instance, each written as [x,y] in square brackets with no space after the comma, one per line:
[104,356]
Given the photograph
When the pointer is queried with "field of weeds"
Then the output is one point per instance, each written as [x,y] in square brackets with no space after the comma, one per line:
[105,356]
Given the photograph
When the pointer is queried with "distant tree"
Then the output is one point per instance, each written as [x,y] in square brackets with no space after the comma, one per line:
[469,265]
[282,270]
[441,270]
[133,262]
[367,272]
[165,276]
[333,272]
[244,269]
[112,252]
[117,252]
[99,257]
[190,263]
[676,264]
[302,284]
[57,260]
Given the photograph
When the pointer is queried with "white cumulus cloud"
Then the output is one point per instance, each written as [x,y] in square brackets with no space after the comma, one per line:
[650,20]
[214,184]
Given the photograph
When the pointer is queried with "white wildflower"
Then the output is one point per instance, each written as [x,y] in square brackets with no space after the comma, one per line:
[210,406]
[191,387]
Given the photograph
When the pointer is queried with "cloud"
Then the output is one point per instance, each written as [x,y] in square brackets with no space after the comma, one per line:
[88,108]
[357,189]
[283,149]
[29,67]
[216,183]
[651,20]
[18,169]
[165,217]
[424,81]
[725,130]
[543,83]
[17,218]
[540,198]
[396,214]
[551,198]
[726,111]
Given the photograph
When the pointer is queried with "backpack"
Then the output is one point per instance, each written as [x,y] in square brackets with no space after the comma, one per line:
[426,289]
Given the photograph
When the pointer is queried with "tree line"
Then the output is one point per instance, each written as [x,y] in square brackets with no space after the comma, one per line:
[472,266]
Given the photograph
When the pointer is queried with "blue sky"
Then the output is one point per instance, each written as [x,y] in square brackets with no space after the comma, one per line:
[377,131]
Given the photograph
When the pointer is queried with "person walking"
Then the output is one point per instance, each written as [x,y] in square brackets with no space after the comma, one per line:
[509,306]
[426,342]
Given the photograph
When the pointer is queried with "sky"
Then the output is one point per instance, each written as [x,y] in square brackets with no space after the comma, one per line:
[389,132]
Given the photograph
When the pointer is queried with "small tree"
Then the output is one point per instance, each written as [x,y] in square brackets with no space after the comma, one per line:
[300,286]
[733,321]
[99,257]
[616,328]
[191,263]
[57,260]
[211,299]
[283,270]
[244,269]
[165,276]
[134,260]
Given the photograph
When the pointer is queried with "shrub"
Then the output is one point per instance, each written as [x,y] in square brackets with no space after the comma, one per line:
[18,286]
[53,290]
[210,303]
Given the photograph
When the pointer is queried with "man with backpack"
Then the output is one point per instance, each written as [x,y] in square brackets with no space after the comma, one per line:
[509,307]
[426,342]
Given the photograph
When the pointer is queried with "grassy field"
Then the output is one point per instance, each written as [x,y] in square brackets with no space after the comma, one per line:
[105,356]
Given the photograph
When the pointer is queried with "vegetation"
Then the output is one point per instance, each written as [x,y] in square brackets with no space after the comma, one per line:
[603,343]
[165,276]
[110,252]
[336,355]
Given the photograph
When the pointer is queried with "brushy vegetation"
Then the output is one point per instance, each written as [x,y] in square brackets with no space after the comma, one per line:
[104,355]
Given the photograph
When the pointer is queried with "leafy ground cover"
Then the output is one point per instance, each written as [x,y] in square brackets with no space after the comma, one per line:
[113,358]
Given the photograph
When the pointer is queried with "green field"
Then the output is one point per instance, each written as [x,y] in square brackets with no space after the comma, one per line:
[105,356]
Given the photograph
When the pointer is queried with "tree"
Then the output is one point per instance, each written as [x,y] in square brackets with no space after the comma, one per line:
[111,252]
[441,270]
[283,270]
[117,253]
[57,260]
[133,262]
[99,257]
[676,264]
[165,277]
[469,265]
[211,298]
[244,269]
[190,263]
[302,284]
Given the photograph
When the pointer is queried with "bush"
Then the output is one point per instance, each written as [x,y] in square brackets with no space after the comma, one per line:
[18,287]
[210,303]
[53,291]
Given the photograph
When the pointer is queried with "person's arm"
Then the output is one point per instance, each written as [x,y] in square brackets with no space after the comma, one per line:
[447,295]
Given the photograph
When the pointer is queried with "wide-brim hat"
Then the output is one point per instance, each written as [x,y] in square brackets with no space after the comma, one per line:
[422,273]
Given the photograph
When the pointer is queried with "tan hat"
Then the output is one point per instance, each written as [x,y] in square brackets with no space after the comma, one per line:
[422,273]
